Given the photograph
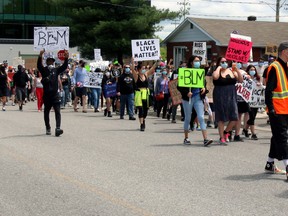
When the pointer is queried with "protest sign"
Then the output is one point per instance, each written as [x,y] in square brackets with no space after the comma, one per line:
[175,94]
[191,77]
[199,49]
[110,90]
[271,49]
[245,88]
[93,80]
[51,38]
[258,97]
[97,55]
[238,50]
[145,50]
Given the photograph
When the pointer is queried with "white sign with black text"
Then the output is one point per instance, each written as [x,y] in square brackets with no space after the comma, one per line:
[146,50]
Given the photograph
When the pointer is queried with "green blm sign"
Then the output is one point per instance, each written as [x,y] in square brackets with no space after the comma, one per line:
[191,77]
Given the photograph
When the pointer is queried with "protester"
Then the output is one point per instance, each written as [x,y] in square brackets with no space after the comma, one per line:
[191,98]
[4,86]
[277,102]
[108,81]
[224,97]
[142,91]
[66,85]
[125,89]
[39,91]
[51,96]
[96,93]
[21,80]
[79,76]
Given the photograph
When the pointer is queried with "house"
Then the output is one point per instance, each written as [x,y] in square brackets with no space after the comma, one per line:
[216,34]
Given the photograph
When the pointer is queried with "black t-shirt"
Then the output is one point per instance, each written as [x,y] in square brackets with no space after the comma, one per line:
[3,80]
[20,79]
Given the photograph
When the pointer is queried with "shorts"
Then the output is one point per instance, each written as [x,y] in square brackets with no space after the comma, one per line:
[20,93]
[243,107]
[81,91]
[4,92]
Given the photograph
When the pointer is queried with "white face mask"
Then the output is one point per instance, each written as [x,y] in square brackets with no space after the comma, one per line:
[50,67]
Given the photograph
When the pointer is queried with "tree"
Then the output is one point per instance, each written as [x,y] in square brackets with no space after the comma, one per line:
[110,25]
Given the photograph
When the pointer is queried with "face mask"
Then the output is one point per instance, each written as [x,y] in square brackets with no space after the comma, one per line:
[50,67]
[252,72]
[107,74]
[196,64]
[261,64]
[224,65]
[127,70]
[239,65]
[158,71]
[164,72]
[143,71]
[245,65]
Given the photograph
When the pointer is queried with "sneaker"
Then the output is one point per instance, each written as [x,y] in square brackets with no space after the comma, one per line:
[105,112]
[96,110]
[215,125]
[245,133]
[254,137]
[226,135]
[271,168]
[207,142]
[3,108]
[13,104]
[222,141]
[132,118]
[84,111]
[142,127]
[237,138]
[48,131]
[58,132]
[109,114]
[21,107]
[209,124]
[121,117]
[173,121]
[186,141]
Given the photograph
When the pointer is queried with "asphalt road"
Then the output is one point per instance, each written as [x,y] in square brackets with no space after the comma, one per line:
[105,166]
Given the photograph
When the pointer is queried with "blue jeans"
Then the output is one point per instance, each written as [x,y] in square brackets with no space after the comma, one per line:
[130,99]
[65,96]
[96,93]
[198,105]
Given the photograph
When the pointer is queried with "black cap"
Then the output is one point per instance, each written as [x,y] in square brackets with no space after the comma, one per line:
[97,70]
[283,46]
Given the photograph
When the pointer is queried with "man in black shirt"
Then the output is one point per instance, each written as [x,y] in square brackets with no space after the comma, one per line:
[20,80]
[51,96]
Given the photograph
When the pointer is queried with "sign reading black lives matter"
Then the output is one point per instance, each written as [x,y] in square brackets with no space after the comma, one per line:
[51,38]
[145,50]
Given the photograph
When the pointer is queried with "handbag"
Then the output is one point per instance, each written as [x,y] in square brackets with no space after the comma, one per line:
[159,96]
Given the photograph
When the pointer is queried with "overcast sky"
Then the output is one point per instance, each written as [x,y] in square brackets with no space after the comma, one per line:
[223,9]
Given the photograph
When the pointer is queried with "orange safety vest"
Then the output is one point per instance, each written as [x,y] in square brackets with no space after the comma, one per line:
[280,93]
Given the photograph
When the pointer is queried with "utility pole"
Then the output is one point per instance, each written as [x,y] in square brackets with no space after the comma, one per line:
[277,10]
[185,11]
[175,23]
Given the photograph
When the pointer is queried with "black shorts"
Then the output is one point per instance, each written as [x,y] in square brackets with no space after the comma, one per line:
[81,91]
[243,107]
[4,92]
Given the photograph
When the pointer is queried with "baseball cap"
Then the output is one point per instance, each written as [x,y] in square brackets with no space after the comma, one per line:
[283,46]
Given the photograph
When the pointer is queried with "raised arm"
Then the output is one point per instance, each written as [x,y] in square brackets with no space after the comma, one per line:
[39,62]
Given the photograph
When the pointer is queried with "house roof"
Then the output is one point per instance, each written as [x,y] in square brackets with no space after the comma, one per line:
[262,33]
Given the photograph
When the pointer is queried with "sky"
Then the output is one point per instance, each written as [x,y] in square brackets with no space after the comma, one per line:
[222,9]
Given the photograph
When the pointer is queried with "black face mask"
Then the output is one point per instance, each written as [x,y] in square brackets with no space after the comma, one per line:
[83,65]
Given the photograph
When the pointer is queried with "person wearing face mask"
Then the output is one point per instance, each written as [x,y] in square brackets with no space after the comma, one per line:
[125,89]
[142,91]
[276,101]
[51,96]
[108,80]
[191,98]
[260,67]
[79,77]
[224,97]
[251,70]
[162,88]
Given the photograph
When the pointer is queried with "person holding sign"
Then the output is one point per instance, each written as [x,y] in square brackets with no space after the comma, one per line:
[109,90]
[142,91]
[225,97]
[277,102]
[51,96]
[191,98]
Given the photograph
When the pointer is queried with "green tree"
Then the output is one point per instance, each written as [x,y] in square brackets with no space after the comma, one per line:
[110,25]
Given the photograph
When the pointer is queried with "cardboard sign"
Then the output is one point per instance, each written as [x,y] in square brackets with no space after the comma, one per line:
[175,94]
[110,90]
[199,49]
[238,50]
[51,38]
[145,50]
[191,77]
[271,49]
[93,80]
[245,88]
[258,97]
[97,55]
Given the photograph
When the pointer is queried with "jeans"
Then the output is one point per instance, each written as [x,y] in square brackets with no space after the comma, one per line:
[130,99]
[65,96]
[198,105]
[96,94]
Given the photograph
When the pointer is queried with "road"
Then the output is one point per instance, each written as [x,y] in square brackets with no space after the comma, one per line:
[105,166]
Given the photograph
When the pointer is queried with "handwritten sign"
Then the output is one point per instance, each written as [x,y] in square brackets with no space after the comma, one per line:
[93,80]
[97,55]
[245,88]
[110,90]
[51,38]
[191,77]
[271,49]
[175,94]
[238,50]
[145,50]
[199,49]
[258,97]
